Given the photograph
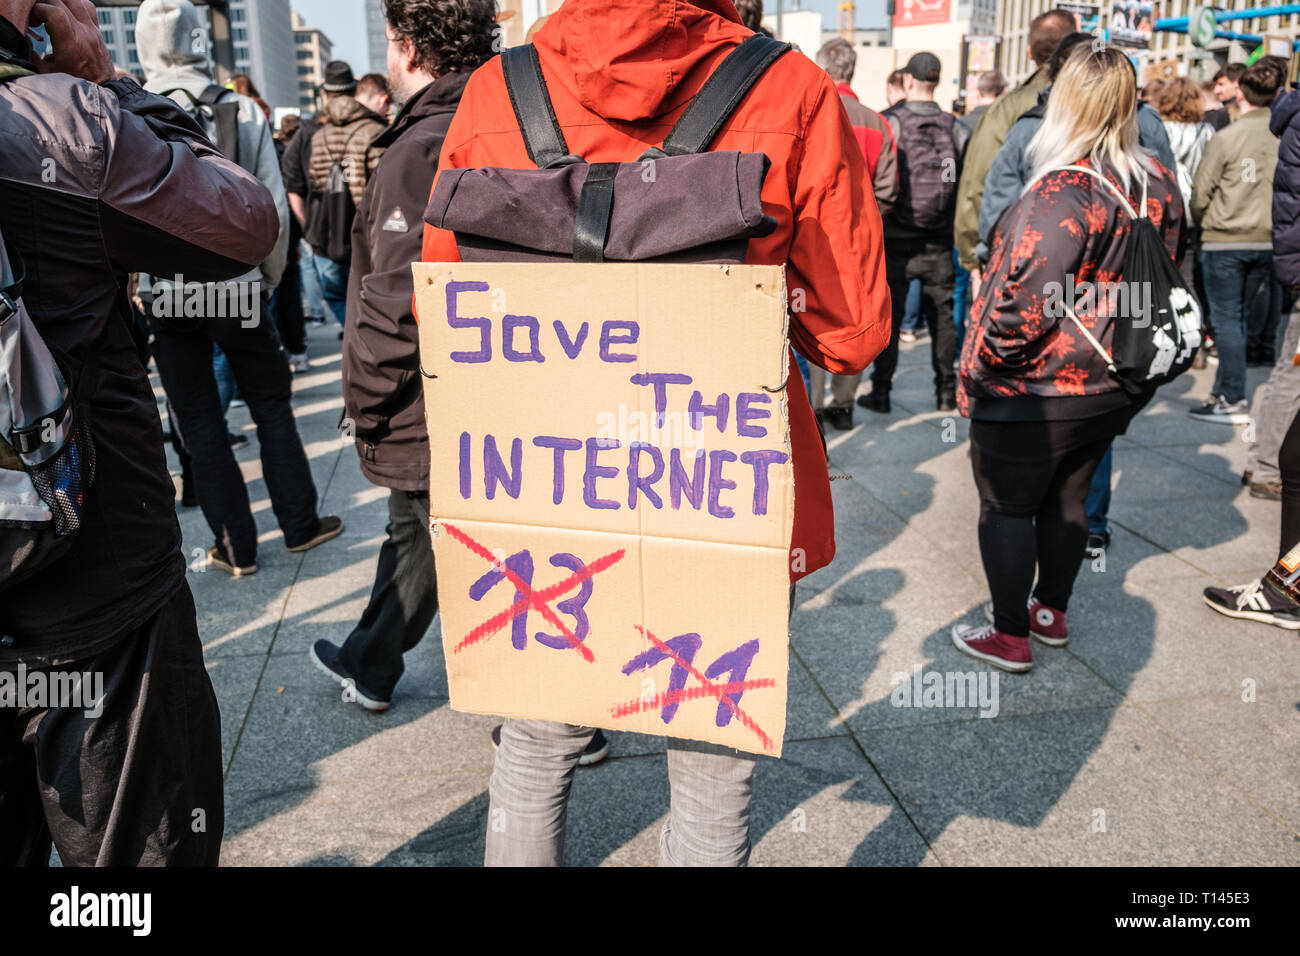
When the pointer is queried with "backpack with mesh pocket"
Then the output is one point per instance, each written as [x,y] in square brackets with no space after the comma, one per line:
[676,203]
[1151,349]
[47,455]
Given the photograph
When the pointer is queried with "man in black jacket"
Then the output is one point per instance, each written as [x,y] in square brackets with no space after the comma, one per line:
[102,179]
[433,46]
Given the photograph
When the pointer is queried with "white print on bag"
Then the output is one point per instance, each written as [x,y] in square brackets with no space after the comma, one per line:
[1187,316]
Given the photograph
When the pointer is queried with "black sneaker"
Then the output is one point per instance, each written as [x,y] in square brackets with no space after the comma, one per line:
[1098,543]
[875,401]
[1268,490]
[946,403]
[597,748]
[330,527]
[218,560]
[326,657]
[1254,602]
[841,419]
[237,441]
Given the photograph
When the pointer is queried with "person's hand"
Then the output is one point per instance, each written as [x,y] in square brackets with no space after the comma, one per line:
[77,45]
[976,280]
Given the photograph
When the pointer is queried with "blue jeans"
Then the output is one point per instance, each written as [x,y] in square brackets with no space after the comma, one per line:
[1232,280]
[912,308]
[710,791]
[313,302]
[960,299]
[227,387]
[334,285]
[1098,503]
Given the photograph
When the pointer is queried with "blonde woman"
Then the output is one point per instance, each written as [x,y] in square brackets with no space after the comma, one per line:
[1042,405]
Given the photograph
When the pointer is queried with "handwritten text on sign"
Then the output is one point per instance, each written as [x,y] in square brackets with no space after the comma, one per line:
[612,493]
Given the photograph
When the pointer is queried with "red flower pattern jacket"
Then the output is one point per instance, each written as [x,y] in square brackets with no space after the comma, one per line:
[1061,242]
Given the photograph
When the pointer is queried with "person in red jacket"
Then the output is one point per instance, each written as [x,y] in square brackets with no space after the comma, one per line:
[874,135]
[619,74]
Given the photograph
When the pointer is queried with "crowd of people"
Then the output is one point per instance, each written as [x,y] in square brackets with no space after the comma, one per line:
[179,230]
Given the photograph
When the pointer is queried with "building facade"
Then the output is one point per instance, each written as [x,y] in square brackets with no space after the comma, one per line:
[312,50]
[1165,45]
[261,34]
[376,40]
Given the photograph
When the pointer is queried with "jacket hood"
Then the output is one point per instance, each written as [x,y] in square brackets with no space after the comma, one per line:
[173,46]
[629,59]
[1284,112]
[342,110]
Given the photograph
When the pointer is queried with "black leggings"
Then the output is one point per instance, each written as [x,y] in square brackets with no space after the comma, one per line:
[1033,479]
[1288,462]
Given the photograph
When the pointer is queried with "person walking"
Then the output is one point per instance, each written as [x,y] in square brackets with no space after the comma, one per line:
[931,144]
[1278,399]
[838,58]
[433,48]
[340,161]
[1043,407]
[608,78]
[102,180]
[1232,196]
[233,317]
[1045,32]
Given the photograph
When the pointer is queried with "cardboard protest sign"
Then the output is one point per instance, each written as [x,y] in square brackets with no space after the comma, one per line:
[612,493]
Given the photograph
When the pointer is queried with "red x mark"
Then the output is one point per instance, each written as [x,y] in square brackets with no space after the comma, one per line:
[534,600]
[705,688]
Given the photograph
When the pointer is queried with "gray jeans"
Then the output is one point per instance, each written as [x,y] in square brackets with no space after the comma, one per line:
[1276,403]
[710,787]
[843,388]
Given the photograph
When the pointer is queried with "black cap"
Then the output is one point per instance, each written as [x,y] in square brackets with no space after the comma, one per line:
[923,66]
[339,78]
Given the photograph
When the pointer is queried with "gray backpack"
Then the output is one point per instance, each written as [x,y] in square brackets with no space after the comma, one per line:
[47,456]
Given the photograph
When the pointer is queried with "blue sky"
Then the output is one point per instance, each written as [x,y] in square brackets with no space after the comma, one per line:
[344,22]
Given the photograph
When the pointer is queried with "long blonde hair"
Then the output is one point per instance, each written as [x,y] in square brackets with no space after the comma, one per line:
[1092,113]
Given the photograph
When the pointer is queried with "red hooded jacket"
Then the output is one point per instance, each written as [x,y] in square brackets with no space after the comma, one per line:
[620,73]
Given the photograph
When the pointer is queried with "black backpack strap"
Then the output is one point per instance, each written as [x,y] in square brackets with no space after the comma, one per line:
[225,118]
[721,94]
[532,104]
[595,207]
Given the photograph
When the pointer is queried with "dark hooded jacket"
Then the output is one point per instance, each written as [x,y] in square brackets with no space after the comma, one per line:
[1285,123]
[382,390]
[99,182]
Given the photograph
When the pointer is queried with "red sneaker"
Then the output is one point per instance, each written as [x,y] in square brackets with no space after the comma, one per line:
[989,644]
[1045,623]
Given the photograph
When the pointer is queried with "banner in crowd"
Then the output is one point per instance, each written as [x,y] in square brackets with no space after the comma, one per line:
[1132,22]
[612,493]
[912,13]
[1087,16]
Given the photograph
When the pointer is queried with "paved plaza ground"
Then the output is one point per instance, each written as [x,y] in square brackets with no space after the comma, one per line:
[1132,746]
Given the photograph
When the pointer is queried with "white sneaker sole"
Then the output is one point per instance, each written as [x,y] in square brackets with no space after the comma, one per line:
[1263,617]
[1012,666]
[1043,638]
[378,706]
[1236,418]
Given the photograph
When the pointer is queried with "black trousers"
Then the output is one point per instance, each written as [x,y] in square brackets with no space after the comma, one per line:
[403,600]
[287,303]
[931,262]
[1288,462]
[1033,478]
[138,785]
[185,365]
